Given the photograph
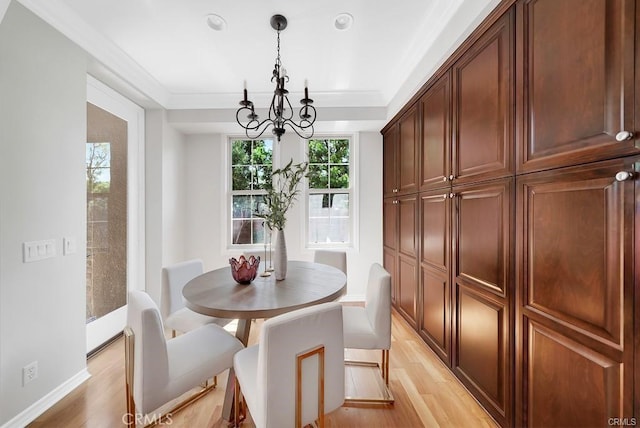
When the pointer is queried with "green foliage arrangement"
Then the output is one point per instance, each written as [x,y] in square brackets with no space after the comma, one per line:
[282,192]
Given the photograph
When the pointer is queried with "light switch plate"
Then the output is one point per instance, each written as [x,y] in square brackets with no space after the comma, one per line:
[34,251]
[68,245]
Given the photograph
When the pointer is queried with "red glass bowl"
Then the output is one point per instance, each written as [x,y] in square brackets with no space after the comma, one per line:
[244,270]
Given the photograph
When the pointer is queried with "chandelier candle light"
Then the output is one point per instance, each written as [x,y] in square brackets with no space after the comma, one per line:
[280,110]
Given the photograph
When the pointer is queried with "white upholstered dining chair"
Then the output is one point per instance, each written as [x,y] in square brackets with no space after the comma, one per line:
[337,259]
[369,327]
[157,370]
[176,316]
[295,375]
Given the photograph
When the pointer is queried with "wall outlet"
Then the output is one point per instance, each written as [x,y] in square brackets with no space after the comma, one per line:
[29,372]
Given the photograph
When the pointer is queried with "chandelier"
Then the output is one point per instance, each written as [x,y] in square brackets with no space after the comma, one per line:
[280,110]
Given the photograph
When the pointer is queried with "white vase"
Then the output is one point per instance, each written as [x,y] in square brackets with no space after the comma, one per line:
[280,256]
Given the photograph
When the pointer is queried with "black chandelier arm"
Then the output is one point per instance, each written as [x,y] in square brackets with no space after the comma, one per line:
[248,125]
[253,125]
[300,130]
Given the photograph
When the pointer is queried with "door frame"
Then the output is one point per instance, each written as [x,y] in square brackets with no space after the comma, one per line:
[108,326]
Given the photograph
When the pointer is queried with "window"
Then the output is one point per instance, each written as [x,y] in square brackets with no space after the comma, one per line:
[251,166]
[330,192]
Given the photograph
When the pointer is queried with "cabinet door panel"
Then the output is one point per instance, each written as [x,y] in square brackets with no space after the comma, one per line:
[436,319]
[407,287]
[436,134]
[483,235]
[389,263]
[389,164]
[576,246]
[408,153]
[570,385]
[574,228]
[482,350]
[576,76]
[482,106]
[407,216]
[436,235]
[390,223]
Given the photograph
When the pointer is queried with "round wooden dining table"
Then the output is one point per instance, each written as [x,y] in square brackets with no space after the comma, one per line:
[216,293]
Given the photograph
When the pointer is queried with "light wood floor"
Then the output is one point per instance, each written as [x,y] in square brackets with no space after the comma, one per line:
[426,393]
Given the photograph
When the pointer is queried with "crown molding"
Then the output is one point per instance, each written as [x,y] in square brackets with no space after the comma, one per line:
[263,99]
[66,21]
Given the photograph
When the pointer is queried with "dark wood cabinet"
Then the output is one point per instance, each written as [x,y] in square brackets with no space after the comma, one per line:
[511,242]
[407,264]
[483,107]
[483,255]
[390,241]
[401,159]
[400,216]
[390,163]
[576,294]
[408,154]
[576,80]
[435,107]
[389,262]
[435,266]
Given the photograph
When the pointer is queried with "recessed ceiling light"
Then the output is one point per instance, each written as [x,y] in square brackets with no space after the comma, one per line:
[216,22]
[343,21]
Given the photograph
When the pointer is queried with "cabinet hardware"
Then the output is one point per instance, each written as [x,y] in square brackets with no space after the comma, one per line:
[444,196]
[624,135]
[395,190]
[624,176]
[451,177]
[444,178]
[451,195]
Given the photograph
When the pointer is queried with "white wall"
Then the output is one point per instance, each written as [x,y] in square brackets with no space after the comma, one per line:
[165,213]
[42,196]
[206,201]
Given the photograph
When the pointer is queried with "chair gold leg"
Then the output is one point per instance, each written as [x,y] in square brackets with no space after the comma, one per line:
[128,375]
[319,350]
[236,404]
[383,381]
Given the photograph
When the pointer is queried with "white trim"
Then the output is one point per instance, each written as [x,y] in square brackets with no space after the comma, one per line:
[64,19]
[29,414]
[111,101]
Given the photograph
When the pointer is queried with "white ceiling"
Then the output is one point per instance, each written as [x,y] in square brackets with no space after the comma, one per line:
[162,53]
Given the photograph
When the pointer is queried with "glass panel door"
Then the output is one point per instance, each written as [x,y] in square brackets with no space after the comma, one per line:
[106,212]
[115,214]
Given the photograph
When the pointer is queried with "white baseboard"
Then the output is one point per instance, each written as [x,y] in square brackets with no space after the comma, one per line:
[39,407]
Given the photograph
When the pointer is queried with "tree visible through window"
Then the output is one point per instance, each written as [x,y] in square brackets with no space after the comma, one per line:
[329,191]
[251,166]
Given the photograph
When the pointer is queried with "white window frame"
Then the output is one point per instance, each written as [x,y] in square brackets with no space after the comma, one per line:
[231,193]
[351,190]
